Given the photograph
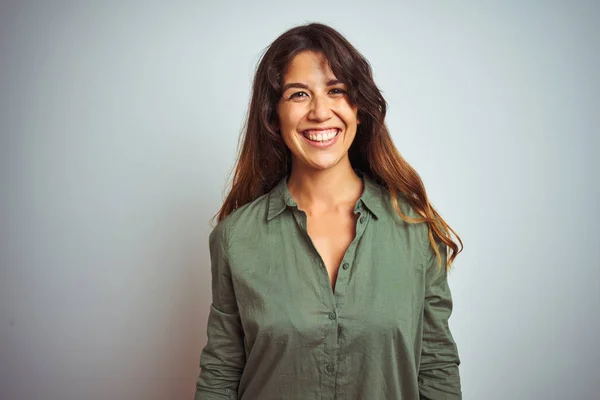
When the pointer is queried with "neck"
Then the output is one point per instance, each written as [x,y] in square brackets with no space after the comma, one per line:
[318,191]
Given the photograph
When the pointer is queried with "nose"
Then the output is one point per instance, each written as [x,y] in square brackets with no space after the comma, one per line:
[320,108]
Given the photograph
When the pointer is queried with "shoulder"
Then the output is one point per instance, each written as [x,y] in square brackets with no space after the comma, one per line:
[419,231]
[403,205]
[243,219]
[416,233]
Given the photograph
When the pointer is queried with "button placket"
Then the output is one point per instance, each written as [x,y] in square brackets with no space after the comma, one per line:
[349,257]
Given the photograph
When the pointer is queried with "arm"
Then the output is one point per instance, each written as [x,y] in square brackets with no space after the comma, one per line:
[223,358]
[438,371]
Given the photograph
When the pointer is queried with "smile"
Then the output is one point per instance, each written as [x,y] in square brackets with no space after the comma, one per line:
[321,136]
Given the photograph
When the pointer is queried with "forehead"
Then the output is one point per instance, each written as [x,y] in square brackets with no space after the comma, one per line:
[308,65]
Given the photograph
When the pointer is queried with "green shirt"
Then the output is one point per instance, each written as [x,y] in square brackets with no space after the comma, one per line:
[277,330]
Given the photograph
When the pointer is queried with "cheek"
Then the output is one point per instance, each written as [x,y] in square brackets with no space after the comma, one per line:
[290,138]
[290,116]
[349,115]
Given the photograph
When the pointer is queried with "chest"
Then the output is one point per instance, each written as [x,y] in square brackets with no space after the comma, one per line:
[282,294]
[331,235]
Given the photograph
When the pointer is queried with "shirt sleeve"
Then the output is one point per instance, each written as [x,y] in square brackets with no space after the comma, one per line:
[439,377]
[223,358]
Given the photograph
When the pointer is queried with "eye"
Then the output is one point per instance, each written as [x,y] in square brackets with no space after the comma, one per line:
[296,95]
[339,91]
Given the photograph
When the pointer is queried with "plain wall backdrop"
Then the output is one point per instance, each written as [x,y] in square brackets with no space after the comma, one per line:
[119,124]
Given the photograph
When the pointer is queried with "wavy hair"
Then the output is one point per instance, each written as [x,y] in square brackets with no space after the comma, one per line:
[263,159]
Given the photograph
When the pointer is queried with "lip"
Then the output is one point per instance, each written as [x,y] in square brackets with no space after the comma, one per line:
[322,129]
[322,145]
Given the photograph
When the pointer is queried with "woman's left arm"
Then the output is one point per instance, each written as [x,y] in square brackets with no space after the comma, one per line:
[438,369]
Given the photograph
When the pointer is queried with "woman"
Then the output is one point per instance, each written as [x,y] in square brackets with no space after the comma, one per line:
[329,264]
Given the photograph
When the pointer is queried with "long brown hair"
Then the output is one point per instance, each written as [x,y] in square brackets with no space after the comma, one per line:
[263,158]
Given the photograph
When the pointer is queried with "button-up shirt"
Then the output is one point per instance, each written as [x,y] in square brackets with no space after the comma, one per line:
[277,329]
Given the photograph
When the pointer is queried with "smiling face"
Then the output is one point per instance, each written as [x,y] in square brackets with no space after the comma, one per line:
[316,119]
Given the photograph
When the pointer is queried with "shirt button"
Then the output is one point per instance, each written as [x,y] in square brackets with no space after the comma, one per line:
[345,265]
[363,219]
[332,315]
[329,368]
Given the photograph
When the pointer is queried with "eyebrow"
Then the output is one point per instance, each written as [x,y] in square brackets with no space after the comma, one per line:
[298,85]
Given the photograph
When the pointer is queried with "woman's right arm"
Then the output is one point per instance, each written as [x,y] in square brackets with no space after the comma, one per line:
[223,358]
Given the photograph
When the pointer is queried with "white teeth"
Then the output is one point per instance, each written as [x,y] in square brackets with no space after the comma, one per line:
[321,136]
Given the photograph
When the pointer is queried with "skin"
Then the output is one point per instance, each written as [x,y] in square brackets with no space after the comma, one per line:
[316,106]
[322,181]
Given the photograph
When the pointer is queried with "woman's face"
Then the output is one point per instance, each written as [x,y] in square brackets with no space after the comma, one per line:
[317,122]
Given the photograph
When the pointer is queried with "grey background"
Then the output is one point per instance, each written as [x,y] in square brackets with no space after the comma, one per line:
[119,124]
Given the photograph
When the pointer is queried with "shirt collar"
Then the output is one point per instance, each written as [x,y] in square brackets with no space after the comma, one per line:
[372,197]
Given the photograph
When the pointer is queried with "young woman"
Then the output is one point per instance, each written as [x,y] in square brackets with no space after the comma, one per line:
[329,263]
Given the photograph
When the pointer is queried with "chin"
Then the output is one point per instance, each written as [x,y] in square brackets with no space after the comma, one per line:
[321,165]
